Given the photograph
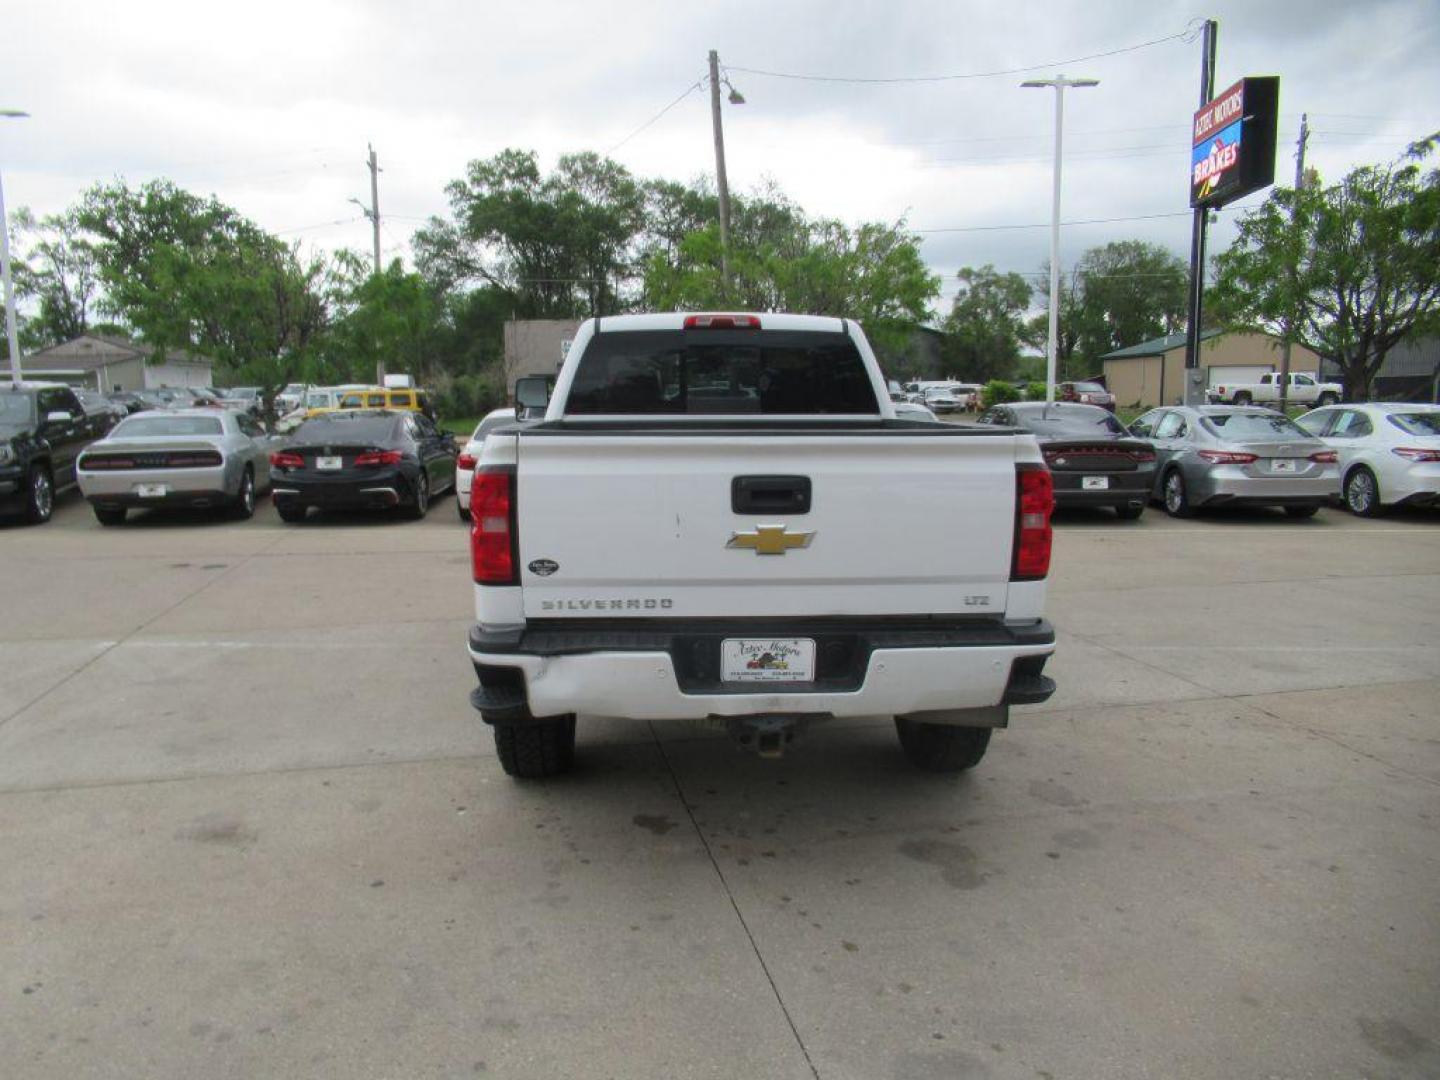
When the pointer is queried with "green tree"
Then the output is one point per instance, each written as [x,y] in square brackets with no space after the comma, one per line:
[393,318]
[781,260]
[560,245]
[986,324]
[56,268]
[193,274]
[1348,270]
[1069,362]
[1131,291]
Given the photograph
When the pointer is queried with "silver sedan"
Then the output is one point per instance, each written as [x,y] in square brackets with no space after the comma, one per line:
[184,457]
[1236,455]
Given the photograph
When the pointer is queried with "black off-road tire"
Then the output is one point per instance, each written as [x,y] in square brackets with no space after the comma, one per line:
[1243,397]
[39,494]
[291,512]
[1301,511]
[942,748]
[1129,513]
[109,515]
[536,750]
[1326,399]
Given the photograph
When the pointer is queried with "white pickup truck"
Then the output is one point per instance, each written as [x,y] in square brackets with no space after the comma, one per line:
[720,519]
[1304,390]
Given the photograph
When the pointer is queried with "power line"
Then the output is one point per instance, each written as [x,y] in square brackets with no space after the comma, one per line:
[683,95]
[1186,35]
[320,225]
[1082,221]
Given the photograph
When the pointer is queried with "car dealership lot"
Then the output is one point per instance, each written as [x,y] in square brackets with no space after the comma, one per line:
[249,826]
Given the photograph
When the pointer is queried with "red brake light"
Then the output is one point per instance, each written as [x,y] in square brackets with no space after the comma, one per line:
[1034,500]
[493,541]
[1226,457]
[1324,457]
[722,322]
[378,457]
[465,461]
[283,459]
[1416,453]
[1143,455]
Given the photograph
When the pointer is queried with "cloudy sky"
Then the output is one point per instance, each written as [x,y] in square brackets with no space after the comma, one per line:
[270,105]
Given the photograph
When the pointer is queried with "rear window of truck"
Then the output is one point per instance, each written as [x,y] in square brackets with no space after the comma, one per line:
[707,372]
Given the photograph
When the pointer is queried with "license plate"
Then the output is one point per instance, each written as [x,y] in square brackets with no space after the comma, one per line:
[767,660]
[1095,483]
[151,491]
[1282,465]
[327,463]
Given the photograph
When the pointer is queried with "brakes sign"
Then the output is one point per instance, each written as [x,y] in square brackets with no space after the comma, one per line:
[1232,142]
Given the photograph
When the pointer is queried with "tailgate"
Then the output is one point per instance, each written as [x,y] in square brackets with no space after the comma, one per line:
[637,524]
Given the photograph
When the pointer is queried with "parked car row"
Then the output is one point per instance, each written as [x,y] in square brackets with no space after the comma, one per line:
[1372,456]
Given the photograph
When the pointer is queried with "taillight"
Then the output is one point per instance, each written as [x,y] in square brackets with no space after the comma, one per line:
[722,322]
[1415,453]
[378,457]
[1324,457]
[282,459]
[492,531]
[1034,500]
[1143,455]
[465,461]
[1226,457]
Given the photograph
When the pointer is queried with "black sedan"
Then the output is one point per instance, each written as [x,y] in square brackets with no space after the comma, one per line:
[1092,461]
[362,459]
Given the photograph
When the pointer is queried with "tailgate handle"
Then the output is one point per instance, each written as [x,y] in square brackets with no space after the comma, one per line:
[770,495]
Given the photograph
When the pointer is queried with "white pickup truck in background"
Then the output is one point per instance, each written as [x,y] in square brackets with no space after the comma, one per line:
[720,519]
[1303,390]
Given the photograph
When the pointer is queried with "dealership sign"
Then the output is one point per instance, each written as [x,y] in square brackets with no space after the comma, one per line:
[1232,146]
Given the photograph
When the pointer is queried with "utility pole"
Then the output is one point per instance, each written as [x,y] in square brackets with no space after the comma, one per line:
[373,213]
[1060,82]
[722,186]
[1294,270]
[1192,392]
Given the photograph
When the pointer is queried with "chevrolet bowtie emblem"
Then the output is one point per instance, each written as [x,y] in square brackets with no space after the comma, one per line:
[770,540]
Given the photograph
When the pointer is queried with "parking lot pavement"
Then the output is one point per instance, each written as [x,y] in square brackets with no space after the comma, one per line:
[249,827]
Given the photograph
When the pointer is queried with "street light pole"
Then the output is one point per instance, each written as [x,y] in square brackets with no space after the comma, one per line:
[11,334]
[1060,82]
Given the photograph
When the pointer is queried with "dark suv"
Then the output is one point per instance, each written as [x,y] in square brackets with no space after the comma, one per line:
[43,428]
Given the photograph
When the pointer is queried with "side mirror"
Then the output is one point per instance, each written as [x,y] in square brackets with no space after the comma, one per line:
[531,392]
[59,416]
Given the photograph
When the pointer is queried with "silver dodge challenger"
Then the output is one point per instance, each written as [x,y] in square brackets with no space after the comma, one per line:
[184,457]
[1236,455]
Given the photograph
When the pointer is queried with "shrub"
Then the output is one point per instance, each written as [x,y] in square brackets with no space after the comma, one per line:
[1035,391]
[997,392]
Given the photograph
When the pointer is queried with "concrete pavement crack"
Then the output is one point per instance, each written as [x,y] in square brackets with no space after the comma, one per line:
[734,904]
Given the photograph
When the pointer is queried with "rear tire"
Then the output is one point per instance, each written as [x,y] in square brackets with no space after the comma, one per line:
[1177,500]
[1362,493]
[417,510]
[1326,399]
[1242,398]
[463,511]
[941,748]
[290,512]
[538,749]
[1301,511]
[109,515]
[243,508]
[39,495]
[1129,513]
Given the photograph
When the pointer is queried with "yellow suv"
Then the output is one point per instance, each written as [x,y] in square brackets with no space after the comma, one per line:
[378,398]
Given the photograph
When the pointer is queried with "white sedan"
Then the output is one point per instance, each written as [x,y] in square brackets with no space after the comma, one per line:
[1388,453]
[470,455]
